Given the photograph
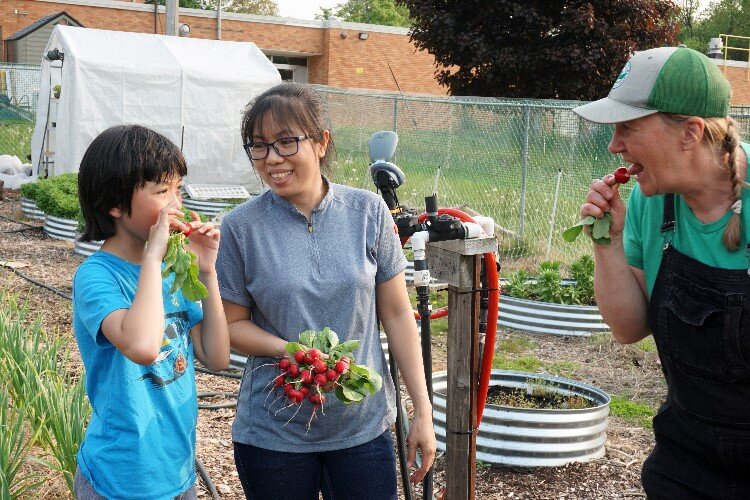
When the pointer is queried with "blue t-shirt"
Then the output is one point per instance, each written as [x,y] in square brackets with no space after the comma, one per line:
[140,442]
[296,276]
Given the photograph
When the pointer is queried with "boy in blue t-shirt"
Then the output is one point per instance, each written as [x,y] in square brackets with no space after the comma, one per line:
[137,340]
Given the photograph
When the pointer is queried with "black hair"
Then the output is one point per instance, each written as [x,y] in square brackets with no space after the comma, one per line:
[119,161]
[293,104]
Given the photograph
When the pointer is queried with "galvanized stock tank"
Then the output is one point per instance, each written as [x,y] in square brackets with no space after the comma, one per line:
[546,317]
[530,437]
[59,228]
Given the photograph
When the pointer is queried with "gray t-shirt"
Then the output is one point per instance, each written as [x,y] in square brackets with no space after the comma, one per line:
[297,275]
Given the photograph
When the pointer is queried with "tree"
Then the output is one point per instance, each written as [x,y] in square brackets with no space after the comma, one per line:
[728,17]
[383,12]
[551,49]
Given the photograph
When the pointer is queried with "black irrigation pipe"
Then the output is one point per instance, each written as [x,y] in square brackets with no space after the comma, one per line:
[206,478]
[198,464]
[206,406]
[220,374]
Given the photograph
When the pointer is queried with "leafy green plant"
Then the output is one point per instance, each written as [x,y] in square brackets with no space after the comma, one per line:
[31,189]
[184,264]
[56,90]
[16,441]
[58,196]
[547,283]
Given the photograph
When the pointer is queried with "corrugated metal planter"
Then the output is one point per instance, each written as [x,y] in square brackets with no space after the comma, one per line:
[86,248]
[533,437]
[545,317]
[205,207]
[30,210]
[59,228]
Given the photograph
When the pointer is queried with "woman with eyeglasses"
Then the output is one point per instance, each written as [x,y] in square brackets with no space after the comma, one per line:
[304,255]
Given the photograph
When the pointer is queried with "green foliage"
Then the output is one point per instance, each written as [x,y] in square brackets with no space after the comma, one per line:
[647,344]
[30,189]
[35,382]
[258,7]
[184,265]
[58,196]
[546,284]
[522,364]
[558,49]
[630,410]
[382,12]
[729,17]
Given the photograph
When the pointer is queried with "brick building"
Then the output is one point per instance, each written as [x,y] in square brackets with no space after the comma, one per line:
[335,53]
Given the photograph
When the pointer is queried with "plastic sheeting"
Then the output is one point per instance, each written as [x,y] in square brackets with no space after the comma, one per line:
[192,91]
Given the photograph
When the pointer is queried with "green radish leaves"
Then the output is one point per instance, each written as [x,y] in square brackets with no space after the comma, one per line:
[599,229]
[184,265]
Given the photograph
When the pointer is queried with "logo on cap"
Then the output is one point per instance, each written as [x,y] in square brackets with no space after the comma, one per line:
[621,79]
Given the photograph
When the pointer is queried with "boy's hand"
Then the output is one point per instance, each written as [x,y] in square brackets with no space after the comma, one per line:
[156,247]
[203,242]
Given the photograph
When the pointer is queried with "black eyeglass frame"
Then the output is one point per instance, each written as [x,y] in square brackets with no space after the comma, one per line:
[270,145]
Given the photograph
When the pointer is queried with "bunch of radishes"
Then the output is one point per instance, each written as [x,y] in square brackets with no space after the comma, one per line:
[318,364]
[307,375]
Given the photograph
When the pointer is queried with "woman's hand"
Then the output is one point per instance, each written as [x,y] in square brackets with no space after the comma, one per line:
[421,437]
[604,196]
[203,240]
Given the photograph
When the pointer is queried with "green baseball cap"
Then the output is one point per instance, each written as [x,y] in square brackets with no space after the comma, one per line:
[669,80]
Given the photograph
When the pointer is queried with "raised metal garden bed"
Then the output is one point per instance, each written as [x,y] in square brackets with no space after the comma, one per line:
[545,317]
[531,437]
[61,229]
[30,210]
[86,248]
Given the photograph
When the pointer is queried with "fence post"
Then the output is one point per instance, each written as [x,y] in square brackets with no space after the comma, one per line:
[554,211]
[524,164]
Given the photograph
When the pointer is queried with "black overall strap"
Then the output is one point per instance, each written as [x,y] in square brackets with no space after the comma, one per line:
[668,223]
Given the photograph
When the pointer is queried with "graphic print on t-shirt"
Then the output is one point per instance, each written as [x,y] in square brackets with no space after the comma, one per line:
[171,364]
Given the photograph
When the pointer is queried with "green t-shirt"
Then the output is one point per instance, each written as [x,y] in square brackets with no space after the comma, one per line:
[644,242]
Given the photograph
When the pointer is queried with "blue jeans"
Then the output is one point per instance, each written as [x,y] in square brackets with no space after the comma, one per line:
[364,472]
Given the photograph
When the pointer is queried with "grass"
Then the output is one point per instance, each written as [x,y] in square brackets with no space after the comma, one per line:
[637,413]
[15,139]
[515,345]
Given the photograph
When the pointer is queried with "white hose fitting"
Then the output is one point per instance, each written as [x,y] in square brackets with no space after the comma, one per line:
[473,230]
[418,243]
[487,223]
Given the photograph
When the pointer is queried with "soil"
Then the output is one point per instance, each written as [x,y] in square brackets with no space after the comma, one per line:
[628,371]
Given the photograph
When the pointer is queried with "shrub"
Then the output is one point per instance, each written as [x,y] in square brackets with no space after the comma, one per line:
[31,189]
[546,284]
[58,196]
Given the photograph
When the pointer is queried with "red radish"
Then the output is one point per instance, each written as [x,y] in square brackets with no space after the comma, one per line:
[320,366]
[314,353]
[279,381]
[320,379]
[332,374]
[288,388]
[293,370]
[284,364]
[345,359]
[328,386]
[306,377]
[299,356]
[621,175]
[304,390]
[316,399]
[187,232]
[341,367]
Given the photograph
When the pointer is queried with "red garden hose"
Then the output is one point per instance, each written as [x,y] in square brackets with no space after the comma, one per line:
[493,283]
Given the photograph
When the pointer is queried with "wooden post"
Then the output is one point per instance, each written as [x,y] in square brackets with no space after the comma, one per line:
[457,263]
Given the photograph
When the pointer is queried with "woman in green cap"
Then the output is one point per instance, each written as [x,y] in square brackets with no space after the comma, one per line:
[678,264]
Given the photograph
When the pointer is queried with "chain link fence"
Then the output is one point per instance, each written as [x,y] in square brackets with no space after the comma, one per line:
[526,163]
[19,96]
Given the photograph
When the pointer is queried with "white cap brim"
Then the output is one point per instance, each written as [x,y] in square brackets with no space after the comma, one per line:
[608,110]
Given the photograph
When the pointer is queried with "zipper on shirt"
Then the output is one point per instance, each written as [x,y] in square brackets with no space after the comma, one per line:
[309,226]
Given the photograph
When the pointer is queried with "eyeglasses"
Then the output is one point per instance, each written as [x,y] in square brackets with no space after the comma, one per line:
[286,146]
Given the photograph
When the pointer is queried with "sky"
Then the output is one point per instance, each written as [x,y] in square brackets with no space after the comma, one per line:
[303,9]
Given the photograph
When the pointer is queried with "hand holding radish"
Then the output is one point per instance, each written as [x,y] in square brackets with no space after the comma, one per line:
[603,214]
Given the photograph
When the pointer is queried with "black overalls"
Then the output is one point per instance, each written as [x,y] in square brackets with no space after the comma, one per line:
[700,319]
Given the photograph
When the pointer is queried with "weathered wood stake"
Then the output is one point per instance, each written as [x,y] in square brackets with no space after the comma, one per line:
[457,263]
